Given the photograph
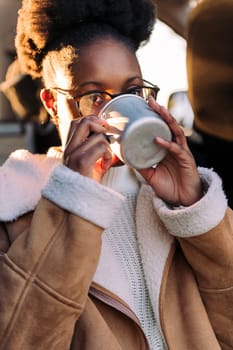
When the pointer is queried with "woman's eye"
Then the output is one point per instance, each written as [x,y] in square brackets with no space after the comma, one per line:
[97,99]
[137,90]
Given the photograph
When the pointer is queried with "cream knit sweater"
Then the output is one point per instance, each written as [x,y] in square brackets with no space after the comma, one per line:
[120,248]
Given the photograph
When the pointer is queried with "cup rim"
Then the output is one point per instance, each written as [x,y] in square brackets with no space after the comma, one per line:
[118,98]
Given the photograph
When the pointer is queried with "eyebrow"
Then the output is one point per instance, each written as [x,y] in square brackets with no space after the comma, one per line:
[99,84]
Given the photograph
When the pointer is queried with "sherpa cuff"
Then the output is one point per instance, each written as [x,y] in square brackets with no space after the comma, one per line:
[200,217]
[82,196]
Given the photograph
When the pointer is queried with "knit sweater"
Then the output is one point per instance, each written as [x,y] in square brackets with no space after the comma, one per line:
[120,246]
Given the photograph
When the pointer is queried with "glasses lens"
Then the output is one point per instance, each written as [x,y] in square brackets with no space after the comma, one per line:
[149,91]
[92,102]
[135,91]
[143,91]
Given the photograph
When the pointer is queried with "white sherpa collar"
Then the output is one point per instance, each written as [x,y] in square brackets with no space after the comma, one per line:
[24,175]
[22,178]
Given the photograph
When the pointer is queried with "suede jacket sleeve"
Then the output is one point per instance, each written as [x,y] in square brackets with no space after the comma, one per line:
[46,270]
[205,233]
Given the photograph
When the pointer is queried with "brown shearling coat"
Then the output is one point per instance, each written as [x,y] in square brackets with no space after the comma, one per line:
[49,255]
[47,309]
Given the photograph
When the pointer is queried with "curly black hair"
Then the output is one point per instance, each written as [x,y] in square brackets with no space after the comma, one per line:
[45,25]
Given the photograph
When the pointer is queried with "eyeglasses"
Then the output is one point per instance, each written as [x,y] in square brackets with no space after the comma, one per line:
[92,101]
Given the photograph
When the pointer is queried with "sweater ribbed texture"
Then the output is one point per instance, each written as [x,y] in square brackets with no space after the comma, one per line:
[121,236]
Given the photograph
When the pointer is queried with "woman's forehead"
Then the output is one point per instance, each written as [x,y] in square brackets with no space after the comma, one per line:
[99,61]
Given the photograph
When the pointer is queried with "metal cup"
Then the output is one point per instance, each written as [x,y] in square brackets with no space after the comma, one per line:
[133,128]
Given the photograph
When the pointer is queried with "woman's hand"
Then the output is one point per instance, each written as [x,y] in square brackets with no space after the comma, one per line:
[175,179]
[87,151]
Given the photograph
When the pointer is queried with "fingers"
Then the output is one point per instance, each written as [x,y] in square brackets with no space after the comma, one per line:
[80,131]
[177,132]
[83,160]
[86,144]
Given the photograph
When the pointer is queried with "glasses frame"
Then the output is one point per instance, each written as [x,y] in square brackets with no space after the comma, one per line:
[77,98]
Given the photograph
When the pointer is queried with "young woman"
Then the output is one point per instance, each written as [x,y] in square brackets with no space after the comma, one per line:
[95,254]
